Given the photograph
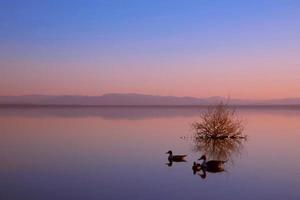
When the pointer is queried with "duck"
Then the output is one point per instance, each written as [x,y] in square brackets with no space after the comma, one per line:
[175,158]
[213,166]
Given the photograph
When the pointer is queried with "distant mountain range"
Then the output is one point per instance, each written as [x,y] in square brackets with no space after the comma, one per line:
[135,100]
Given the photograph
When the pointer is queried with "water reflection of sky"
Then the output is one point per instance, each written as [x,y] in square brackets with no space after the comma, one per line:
[85,153]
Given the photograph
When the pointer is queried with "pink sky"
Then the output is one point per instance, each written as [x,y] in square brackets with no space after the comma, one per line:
[248,76]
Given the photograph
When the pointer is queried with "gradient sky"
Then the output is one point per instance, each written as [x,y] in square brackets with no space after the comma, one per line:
[245,49]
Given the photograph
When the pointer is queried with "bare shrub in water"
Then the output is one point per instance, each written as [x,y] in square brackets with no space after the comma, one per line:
[219,122]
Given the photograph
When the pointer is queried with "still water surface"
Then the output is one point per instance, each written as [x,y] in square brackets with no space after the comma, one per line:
[119,153]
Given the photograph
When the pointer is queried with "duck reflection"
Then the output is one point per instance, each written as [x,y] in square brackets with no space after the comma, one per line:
[170,163]
[203,170]
[196,167]
[204,174]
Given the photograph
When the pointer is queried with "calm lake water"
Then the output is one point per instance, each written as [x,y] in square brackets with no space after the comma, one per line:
[119,153]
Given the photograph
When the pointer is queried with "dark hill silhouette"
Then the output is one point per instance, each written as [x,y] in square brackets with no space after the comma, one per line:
[136,100]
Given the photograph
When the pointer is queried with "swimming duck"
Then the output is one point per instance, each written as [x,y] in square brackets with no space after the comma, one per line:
[176,158]
[212,165]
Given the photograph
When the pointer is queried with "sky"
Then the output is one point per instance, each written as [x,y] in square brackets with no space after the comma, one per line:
[241,49]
